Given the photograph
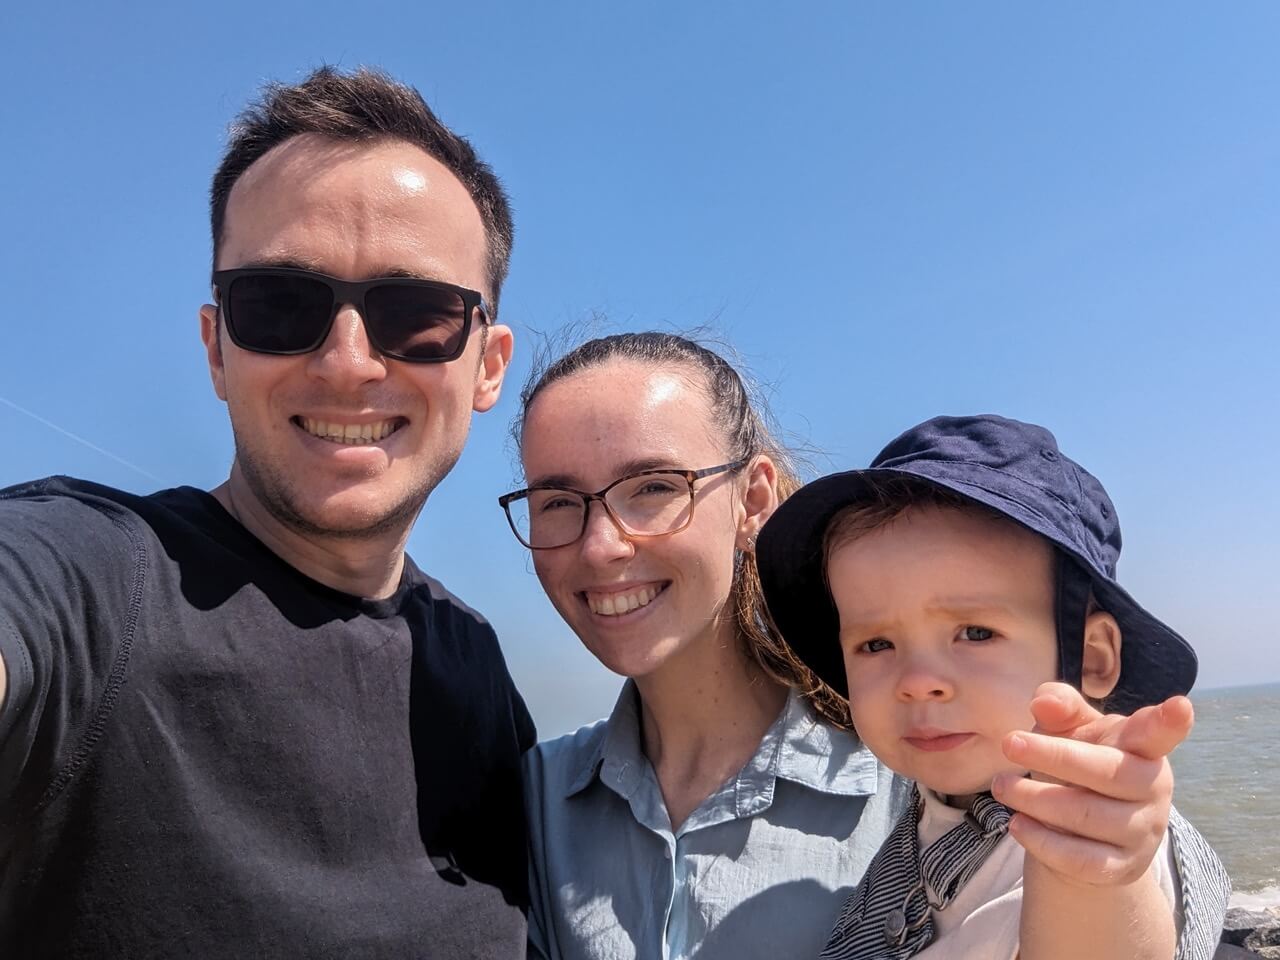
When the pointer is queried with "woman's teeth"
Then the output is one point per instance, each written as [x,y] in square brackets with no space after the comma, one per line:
[616,604]
[355,433]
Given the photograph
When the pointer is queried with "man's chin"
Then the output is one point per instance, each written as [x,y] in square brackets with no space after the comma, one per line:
[361,511]
[346,518]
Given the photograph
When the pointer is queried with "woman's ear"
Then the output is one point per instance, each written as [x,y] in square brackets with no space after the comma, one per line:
[758,501]
[1100,670]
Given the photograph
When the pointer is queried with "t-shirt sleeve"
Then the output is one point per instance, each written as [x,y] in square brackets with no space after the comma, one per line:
[70,573]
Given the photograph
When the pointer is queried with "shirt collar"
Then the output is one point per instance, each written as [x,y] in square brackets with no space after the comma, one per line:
[620,744]
[797,747]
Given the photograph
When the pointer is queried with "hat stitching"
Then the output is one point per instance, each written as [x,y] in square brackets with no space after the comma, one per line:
[1083,544]
[988,469]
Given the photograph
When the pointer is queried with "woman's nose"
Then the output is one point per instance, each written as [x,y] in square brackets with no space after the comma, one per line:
[603,538]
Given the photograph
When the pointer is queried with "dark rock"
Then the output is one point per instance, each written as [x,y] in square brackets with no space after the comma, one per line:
[1226,951]
[1255,930]
[1265,941]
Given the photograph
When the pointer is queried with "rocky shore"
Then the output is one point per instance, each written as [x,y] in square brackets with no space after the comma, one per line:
[1251,932]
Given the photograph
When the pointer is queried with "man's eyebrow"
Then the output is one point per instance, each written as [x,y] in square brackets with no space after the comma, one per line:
[403,273]
[291,262]
[282,263]
[569,482]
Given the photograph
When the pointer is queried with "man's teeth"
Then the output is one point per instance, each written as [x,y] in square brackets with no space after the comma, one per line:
[356,433]
[615,604]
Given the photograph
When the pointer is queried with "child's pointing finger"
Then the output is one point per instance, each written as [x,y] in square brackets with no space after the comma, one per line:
[1154,731]
[1103,769]
[1059,708]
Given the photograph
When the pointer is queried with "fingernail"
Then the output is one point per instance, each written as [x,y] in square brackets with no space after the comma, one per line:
[1017,742]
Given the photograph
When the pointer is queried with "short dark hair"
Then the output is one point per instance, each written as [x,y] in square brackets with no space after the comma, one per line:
[363,106]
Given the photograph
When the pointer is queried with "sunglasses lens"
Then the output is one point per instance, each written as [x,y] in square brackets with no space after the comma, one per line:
[278,314]
[414,322]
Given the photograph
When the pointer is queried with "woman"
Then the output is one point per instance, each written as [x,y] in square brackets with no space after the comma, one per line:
[715,807]
[717,812]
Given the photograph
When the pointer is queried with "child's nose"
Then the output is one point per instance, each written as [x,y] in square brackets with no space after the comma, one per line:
[924,680]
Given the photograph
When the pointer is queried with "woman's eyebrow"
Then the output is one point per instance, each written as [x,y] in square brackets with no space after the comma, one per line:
[570,482]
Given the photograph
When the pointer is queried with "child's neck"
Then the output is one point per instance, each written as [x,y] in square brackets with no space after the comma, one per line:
[960,801]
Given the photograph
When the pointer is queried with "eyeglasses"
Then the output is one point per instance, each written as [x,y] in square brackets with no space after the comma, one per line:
[280,310]
[651,503]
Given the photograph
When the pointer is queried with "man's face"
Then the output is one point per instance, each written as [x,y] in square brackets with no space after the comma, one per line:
[352,211]
[947,629]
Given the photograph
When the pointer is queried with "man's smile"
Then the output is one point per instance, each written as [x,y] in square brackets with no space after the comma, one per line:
[354,434]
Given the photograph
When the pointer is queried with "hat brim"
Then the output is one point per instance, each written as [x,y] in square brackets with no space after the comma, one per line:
[1156,662]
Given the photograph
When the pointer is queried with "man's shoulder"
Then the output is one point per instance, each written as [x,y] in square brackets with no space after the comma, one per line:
[460,640]
[83,516]
[62,513]
[60,492]
[431,591]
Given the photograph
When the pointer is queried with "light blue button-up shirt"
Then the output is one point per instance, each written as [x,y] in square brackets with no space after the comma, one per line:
[760,869]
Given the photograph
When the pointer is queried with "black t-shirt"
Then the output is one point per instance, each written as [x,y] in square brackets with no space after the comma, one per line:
[204,753]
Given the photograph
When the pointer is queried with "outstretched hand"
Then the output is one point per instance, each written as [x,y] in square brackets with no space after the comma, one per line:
[1097,805]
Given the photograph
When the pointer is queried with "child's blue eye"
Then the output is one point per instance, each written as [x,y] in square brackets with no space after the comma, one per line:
[876,645]
[977,634]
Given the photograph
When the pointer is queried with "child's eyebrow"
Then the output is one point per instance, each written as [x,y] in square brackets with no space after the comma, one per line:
[960,607]
[967,608]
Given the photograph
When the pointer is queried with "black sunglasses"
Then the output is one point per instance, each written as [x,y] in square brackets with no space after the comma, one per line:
[281,310]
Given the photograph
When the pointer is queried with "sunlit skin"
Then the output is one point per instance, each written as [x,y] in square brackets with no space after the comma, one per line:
[947,629]
[355,211]
[585,432]
[703,705]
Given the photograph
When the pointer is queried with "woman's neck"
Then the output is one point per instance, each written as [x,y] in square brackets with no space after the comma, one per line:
[702,717]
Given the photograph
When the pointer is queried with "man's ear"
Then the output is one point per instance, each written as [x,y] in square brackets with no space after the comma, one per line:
[494,361]
[759,500]
[209,334]
[1100,670]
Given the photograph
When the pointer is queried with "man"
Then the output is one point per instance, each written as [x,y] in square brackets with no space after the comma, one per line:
[244,723]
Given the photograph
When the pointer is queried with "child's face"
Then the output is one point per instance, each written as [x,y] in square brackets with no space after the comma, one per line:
[947,628]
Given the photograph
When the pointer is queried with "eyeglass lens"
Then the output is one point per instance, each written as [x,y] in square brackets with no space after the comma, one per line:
[291,314]
[648,505]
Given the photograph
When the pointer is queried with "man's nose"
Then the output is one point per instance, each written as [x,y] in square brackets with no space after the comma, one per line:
[347,357]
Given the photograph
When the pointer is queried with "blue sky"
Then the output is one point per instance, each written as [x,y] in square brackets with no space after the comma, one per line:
[1063,213]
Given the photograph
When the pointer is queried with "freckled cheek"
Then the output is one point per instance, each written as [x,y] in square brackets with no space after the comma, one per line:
[550,573]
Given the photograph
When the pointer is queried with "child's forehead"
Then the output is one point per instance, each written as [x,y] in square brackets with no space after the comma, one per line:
[939,527]
[943,559]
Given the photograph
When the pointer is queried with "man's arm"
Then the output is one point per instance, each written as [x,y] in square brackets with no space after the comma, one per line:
[68,571]
[1092,826]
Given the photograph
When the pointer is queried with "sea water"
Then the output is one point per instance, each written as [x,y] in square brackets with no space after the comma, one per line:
[1228,785]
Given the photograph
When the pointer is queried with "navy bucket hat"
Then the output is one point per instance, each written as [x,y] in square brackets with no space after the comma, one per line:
[1016,470]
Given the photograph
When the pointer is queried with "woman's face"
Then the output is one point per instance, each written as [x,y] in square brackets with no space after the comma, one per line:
[641,603]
